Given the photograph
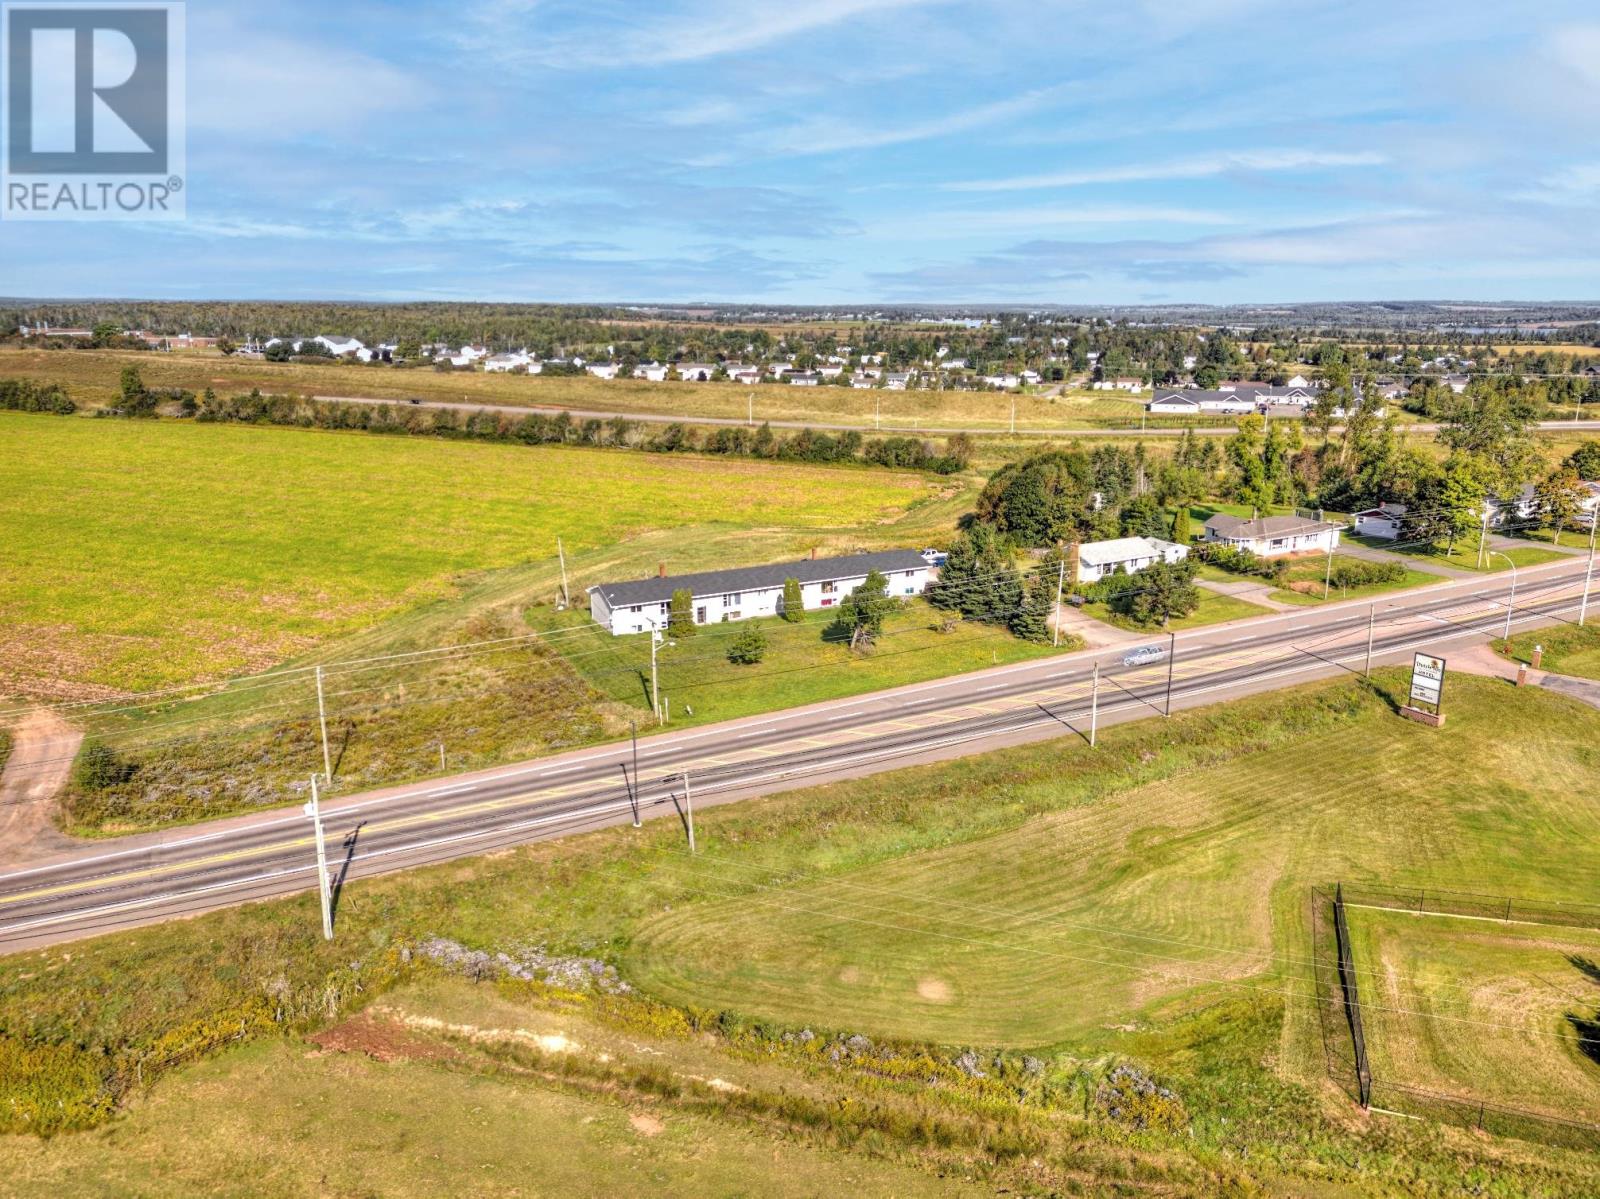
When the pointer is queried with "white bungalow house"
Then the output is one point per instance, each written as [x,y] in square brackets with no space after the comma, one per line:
[1098,559]
[750,591]
[862,382]
[1298,381]
[1274,536]
[1006,382]
[1210,403]
[897,380]
[1119,383]
[696,372]
[504,363]
[655,372]
[803,378]
[603,370]
[1383,521]
[747,376]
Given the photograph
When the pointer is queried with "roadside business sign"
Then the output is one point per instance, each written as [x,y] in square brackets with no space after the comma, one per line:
[1427,680]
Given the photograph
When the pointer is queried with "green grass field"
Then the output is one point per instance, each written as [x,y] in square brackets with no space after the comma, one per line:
[1214,609]
[1145,902]
[1465,554]
[1486,1011]
[142,554]
[1086,914]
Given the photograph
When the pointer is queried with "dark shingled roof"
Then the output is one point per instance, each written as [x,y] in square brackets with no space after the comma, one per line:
[1267,526]
[759,578]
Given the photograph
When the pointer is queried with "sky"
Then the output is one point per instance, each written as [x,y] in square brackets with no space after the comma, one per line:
[850,152]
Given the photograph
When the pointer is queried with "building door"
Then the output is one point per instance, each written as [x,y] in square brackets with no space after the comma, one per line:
[700,615]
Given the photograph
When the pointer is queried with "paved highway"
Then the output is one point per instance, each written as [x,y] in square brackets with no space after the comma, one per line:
[108,885]
[997,429]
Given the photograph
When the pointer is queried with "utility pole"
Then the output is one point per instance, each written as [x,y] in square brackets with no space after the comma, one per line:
[1327,580]
[750,418]
[1588,571]
[1094,708]
[1172,653]
[655,693]
[688,808]
[322,719]
[1061,582]
[1013,416]
[633,786]
[1483,537]
[566,597]
[313,809]
[1372,623]
[877,412]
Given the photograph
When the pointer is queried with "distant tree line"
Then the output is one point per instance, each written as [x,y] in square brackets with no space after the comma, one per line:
[537,428]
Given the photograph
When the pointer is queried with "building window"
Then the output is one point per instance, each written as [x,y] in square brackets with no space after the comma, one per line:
[829,588]
[732,599]
[700,615]
[636,609]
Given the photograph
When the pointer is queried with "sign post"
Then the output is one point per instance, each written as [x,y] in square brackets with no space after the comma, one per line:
[1427,691]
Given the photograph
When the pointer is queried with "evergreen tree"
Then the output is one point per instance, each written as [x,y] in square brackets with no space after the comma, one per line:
[749,647]
[1031,620]
[680,613]
[794,608]
[1161,591]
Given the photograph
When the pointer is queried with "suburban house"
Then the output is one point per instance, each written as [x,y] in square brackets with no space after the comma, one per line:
[696,372]
[603,370]
[747,375]
[1193,403]
[897,380]
[751,591]
[502,363]
[1120,383]
[1382,521]
[1589,505]
[802,378]
[1456,383]
[1098,559]
[655,372]
[861,382]
[1274,536]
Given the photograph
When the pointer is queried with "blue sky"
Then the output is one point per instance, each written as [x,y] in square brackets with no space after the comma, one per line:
[853,151]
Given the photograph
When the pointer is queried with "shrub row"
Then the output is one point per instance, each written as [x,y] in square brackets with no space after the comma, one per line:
[805,445]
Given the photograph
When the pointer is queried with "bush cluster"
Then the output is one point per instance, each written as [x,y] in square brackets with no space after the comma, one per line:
[24,395]
[1242,562]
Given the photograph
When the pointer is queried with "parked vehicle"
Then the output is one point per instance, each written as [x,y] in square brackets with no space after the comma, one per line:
[1144,655]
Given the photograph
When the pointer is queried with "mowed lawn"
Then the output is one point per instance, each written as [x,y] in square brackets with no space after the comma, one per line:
[1214,609]
[805,662]
[138,554]
[1567,648]
[1494,1012]
[1084,918]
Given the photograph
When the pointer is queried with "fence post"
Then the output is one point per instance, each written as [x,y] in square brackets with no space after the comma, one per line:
[1508,909]
[1352,1000]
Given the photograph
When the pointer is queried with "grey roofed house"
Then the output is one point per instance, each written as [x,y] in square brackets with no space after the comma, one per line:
[758,578]
[1224,525]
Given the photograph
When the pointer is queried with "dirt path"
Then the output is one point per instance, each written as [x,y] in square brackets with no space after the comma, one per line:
[42,749]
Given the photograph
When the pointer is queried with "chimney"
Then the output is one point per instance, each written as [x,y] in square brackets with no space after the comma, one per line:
[813,553]
[661,570]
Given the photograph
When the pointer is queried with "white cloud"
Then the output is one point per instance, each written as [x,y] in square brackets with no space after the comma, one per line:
[1197,167]
[957,224]
[1578,184]
[831,136]
[263,85]
[707,29]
